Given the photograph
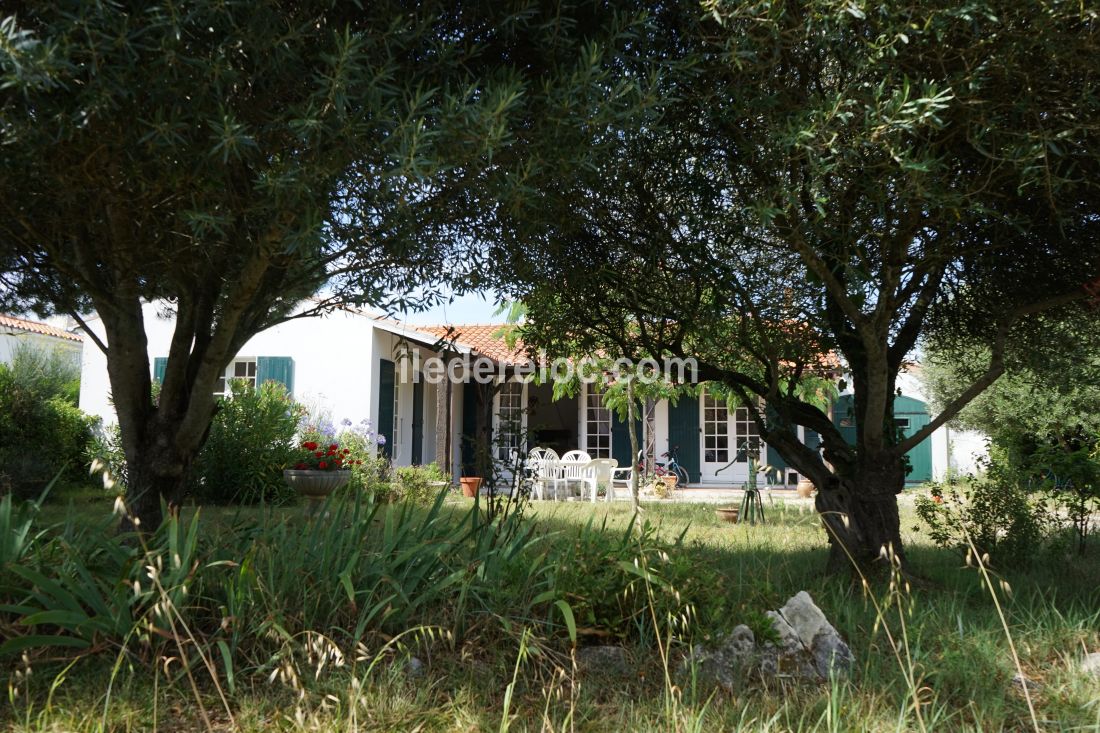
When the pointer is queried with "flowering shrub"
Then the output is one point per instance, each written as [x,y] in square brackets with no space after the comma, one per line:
[314,456]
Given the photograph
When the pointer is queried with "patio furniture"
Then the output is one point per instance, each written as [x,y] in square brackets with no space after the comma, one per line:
[572,470]
[598,472]
[620,477]
[545,472]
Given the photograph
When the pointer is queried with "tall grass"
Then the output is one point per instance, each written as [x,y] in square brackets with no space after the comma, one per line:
[267,618]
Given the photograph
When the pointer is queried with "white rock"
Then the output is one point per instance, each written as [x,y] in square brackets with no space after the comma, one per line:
[804,617]
[1091,664]
[832,656]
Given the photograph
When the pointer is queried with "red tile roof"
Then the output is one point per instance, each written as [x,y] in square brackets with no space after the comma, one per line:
[483,338]
[43,329]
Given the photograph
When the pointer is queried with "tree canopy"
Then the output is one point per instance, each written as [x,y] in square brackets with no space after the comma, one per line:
[821,178]
[232,158]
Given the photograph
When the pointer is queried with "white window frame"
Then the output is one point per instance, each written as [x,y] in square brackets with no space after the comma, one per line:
[230,373]
[398,423]
[508,432]
[716,413]
[596,413]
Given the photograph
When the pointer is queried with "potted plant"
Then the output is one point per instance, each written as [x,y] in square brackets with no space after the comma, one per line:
[319,470]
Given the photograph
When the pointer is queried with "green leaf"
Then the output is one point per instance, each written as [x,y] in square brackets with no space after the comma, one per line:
[570,622]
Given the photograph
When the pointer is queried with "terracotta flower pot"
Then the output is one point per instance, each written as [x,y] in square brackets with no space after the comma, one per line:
[805,488]
[470,485]
[728,514]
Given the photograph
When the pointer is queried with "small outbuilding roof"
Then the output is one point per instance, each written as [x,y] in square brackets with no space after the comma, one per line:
[42,329]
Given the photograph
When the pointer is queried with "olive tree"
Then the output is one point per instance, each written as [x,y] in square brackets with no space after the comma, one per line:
[817,187]
[232,158]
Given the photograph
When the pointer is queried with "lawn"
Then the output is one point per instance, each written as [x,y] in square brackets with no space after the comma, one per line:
[292,625]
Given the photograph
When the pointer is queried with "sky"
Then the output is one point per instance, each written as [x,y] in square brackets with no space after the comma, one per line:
[465,309]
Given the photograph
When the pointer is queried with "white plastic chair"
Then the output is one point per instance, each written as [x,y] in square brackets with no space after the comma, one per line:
[572,472]
[595,473]
[620,477]
[576,455]
[544,465]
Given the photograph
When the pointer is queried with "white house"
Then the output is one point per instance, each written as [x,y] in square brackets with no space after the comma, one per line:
[19,332]
[451,395]
[343,364]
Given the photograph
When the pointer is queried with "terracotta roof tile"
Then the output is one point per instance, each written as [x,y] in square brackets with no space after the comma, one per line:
[43,329]
[482,338]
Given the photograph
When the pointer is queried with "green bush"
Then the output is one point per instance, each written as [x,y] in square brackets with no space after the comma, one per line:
[419,484]
[996,513]
[251,441]
[41,428]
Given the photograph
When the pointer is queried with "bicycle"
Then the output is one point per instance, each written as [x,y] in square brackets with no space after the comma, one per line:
[671,467]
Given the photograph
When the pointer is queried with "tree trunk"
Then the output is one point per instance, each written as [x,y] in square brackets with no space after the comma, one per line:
[861,515]
[635,501]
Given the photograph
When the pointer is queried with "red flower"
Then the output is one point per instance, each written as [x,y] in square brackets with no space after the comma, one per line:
[347,450]
[319,454]
[300,467]
[309,445]
[333,447]
[322,465]
[331,452]
[339,461]
[358,463]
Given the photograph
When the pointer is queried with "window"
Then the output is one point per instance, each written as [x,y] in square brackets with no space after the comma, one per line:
[244,369]
[597,434]
[716,437]
[509,420]
[902,422]
[747,432]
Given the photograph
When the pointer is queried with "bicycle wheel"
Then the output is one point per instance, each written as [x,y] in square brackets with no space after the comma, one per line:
[681,475]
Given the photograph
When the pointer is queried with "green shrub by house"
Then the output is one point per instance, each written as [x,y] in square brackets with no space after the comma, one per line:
[252,439]
[41,428]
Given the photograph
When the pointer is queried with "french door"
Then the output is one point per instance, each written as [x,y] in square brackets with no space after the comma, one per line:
[723,436]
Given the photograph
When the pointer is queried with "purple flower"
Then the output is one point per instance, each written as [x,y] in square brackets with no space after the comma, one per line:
[346,422]
[381,439]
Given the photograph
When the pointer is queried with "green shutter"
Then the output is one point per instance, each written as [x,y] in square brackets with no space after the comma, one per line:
[620,439]
[418,424]
[776,461]
[683,433]
[844,419]
[471,403]
[386,381]
[160,364]
[276,369]
[920,457]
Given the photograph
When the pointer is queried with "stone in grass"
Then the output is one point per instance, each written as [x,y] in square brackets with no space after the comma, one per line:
[831,654]
[1020,682]
[789,657]
[1090,665]
[605,659]
[727,663]
[414,667]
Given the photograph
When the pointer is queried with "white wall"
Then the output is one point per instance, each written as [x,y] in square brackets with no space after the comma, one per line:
[335,369]
[12,340]
[330,355]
